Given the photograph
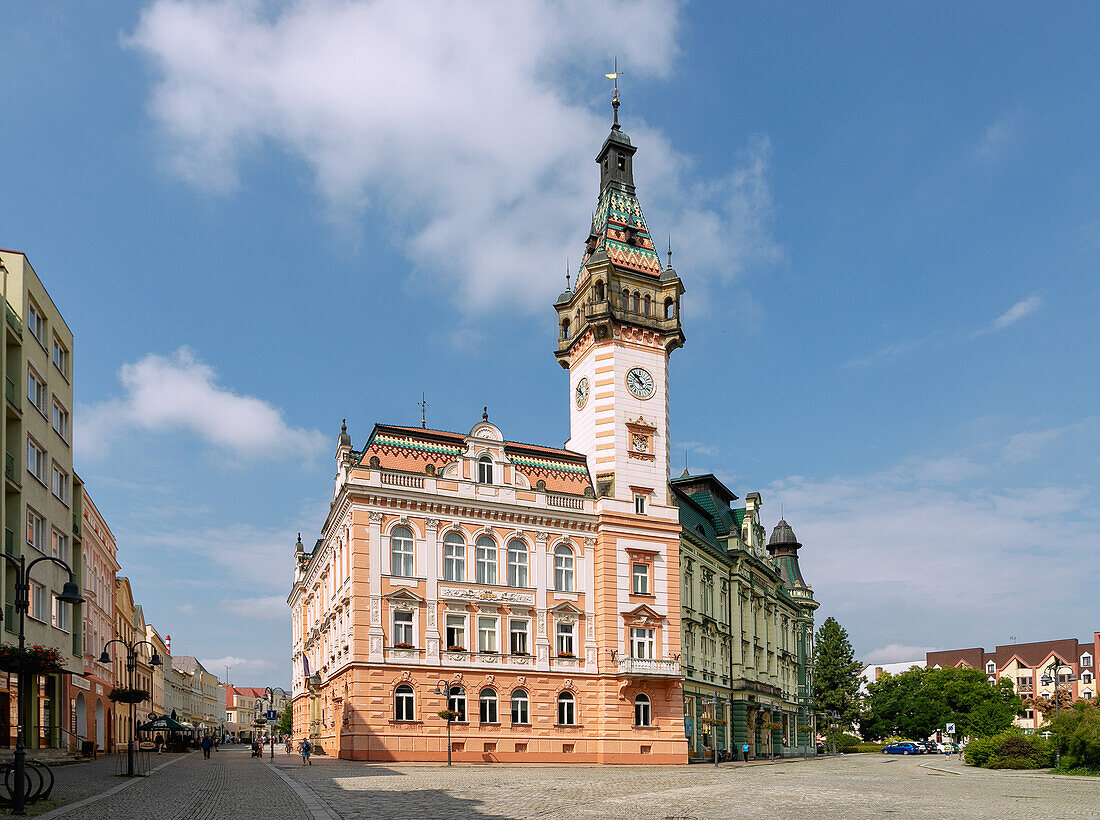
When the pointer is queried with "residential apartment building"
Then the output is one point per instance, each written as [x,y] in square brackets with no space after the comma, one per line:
[747,620]
[124,632]
[1025,664]
[244,704]
[205,707]
[158,694]
[88,693]
[41,507]
[503,572]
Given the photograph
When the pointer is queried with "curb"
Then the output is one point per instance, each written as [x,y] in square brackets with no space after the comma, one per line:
[1007,774]
[95,798]
[314,805]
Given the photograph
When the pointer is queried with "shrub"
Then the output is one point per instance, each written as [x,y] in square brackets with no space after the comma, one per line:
[867,747]
[1078,731]
[845,742]
[1010,750]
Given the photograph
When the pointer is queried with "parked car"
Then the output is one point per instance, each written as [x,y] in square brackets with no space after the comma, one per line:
[929,746]
[906,747]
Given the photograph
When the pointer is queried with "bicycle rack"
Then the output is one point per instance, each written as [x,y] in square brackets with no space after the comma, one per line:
[37,781]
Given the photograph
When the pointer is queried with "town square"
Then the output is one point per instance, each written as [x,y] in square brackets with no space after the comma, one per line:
[507,410]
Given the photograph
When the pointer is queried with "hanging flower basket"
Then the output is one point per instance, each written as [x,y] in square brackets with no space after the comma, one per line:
[121,695]
[259,721]
[709,721]
[35,660]
[805,729]
[447,714]
[771,725]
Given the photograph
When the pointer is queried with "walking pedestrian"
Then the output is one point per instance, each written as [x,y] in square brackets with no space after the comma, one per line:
[307,749]
[159,743]
[207,743]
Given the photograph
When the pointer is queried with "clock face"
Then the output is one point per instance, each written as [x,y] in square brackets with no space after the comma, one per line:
[581,394]
[639,383]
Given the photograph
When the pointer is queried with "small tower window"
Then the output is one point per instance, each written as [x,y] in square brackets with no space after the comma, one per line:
[622,161]
[624,299]
[565,328]
[637,302]
[647,303]
[670,308]
[485,470]
[599,291]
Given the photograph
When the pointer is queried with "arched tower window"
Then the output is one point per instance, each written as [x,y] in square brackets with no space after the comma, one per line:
[624,299]
[485,470]
[565,328]
[637,302]
[645,310]
[670,308]
[598,290]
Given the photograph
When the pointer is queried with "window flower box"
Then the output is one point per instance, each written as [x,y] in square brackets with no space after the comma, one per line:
[448,715]
[566,655]
[520,654]
[456,649]
[403,645]
[123,695]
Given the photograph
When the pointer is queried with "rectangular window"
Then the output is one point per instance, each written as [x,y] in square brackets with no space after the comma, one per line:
[640,574]
[36,530]
[40,603]
[486,634]
[486,563]
[36,461]
[708,595]
[59,483]
[456,632]
[520,714]
[61,424]
[62,614]
[36,323]
[61,547]
[517,564]
[36,391]
[61,357]
[564,633]
[403,628]
[642,643]
[454,562]
[639,504]
[518,637]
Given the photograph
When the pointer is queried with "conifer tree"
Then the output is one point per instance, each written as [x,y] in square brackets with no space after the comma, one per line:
[836,673]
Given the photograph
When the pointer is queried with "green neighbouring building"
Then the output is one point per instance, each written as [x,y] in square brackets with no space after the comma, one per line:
[747,625]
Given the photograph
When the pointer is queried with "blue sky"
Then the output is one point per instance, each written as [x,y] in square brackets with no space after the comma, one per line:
[261,218]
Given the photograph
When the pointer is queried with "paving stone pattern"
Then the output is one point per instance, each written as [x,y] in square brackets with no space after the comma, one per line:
[854,786]
[232,785]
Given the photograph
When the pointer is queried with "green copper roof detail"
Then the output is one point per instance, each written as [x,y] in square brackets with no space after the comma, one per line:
[422,446]
[546,464]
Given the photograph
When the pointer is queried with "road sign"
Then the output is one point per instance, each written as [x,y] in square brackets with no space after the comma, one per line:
[950,728]
[272,714]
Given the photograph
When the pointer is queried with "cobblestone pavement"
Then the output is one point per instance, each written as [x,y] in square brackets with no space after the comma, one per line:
[229,786]
[853,786]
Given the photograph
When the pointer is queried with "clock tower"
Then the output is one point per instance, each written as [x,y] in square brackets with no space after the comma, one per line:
[616,329]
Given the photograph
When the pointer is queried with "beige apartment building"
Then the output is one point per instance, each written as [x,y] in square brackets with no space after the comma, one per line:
[41,506]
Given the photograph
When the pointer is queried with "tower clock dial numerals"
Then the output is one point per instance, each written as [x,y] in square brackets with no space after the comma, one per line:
[581,393]
[639,383]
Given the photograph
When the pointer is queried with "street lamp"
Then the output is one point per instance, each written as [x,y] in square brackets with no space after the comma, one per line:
[270,694]
[714,701]
[446,690]
[131,667]
[70,594]
[1051,676]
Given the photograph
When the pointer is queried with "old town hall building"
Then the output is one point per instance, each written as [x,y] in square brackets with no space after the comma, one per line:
[531,594]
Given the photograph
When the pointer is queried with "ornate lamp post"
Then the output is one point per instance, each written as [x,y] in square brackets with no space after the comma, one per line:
[269,693]
[445,689]
[714,701]
[131,668]
[1050,676]
[70,594]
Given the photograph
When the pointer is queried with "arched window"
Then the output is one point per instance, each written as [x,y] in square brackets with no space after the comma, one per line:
[565,328]
[456,702]
[486,560]
[645,310]
[670,308]
[624,299]
[454,557]
[563,569]
[637,302]
[485,470]
[487,706]
[643,714]
[401,552]
[567,709]
[598,291]
[520,712]
[517,563]
[404,703]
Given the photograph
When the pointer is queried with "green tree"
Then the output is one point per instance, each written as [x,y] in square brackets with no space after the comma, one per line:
[917,702]
[286,721]
[836,673]
[1077,731]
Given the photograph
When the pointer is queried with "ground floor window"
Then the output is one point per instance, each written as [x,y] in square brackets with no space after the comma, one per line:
[456,702]
[567,712]
[404,703]
[642,711]
[519,707]
[487,703]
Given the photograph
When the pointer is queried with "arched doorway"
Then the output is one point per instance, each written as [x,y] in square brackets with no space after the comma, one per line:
[100,727]
[81,717]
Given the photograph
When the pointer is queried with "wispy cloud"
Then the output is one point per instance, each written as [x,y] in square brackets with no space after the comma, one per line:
[265,608]
[890,353]
[246,671]
[897,653]
[1025,307]
[703,448]
[373,97]
[179,393]
[1000,139]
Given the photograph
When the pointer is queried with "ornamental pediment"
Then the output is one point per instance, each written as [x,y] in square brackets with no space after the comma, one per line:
[487,595]
[643,615]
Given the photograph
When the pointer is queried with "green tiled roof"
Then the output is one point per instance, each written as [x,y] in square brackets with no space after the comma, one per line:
[415,444]
[739,517]
[546,464]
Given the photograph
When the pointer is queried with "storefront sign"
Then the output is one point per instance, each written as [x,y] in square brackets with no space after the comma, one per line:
[82,683]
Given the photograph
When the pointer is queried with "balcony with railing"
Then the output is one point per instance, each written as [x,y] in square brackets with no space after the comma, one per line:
[649,668]
[12,395]
[13,320]
[11,470]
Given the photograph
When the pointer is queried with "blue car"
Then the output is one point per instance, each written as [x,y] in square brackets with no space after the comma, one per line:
[903,748]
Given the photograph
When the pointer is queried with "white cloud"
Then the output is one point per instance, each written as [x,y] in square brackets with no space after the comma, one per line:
[897,653]
[701,447]
[264,608]
[461,123]
[1025,307]
[179,393]
[243,553]
[246,671]
[888,354]
[999,139]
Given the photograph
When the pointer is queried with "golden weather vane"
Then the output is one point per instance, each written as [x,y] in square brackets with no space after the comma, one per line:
[614,76]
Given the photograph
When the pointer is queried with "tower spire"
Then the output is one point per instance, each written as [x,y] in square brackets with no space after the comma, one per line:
[614,75]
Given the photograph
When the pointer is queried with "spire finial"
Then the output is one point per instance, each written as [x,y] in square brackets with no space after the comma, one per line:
[343,426]
[568,286]
[670,251]
[423,411]
[485,413]
[614,75]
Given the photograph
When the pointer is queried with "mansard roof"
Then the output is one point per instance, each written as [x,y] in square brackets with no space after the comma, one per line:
[619,230]
[413,449]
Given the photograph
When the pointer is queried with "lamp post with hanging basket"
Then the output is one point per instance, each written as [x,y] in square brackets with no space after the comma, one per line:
[131,694]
